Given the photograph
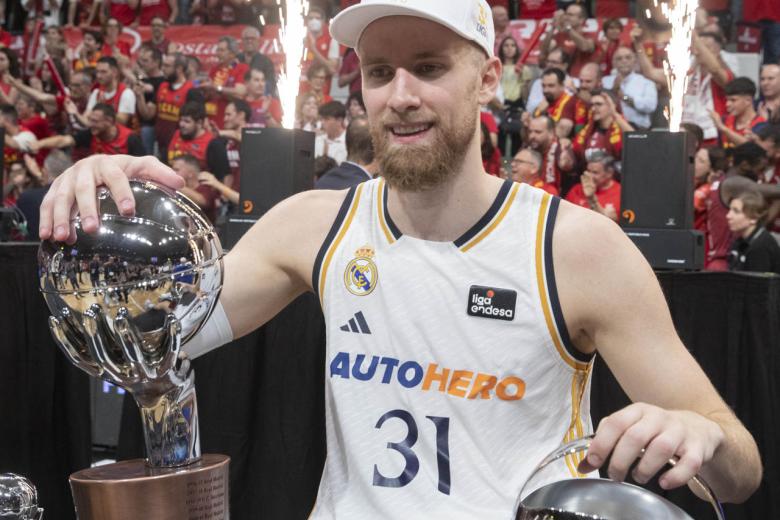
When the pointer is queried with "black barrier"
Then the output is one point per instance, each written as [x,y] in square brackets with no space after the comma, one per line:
[261,398]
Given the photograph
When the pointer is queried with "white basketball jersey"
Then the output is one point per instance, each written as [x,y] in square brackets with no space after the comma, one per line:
[449,371]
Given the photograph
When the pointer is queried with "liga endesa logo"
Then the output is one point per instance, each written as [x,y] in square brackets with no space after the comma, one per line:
[464,384]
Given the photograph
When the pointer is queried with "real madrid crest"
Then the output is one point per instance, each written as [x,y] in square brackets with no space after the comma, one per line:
[361,275]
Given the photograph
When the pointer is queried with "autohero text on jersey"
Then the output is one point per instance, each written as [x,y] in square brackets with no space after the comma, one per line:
[466,384]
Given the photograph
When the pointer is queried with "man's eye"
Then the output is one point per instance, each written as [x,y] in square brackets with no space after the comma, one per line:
[428,68]
[379,73]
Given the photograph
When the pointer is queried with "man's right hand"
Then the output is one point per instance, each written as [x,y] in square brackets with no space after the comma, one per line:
[74,192]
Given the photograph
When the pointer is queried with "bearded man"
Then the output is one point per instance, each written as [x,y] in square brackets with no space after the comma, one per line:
[481,341]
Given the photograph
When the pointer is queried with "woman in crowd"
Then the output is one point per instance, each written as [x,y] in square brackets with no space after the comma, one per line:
[612,28]
[19,180]
[113,46]
[9,64]
[491,158]
[355,106]
[318,75]
[516,81]
[710,164]
[89,51]
[308,113]
[754,249]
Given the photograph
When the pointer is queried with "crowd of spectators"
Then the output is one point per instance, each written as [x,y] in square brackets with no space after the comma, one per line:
[557,123]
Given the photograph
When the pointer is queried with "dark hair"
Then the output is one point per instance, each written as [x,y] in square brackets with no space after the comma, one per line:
[558,73]
[335,109]
[714,35]
[248,74]
[356,96]
[719,161]
[769,131]
[741,86]
[694,129]
[565,56]
[243,107]
[188,159]
[232,43]
[501,55]
[359,143]
[487,144]
[609,22]
[9,112]
[322,164]
[156,54]
[193,109]
[179,60]
[97,35]
[110,61]
[748,152]
[13,61]
[107,110]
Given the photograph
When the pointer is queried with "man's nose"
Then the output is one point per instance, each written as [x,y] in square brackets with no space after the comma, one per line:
[403,96]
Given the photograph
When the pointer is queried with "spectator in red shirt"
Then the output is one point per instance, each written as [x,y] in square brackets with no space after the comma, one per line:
[188,167]
[558,103]
[194,139]
[491,158]
[226,80]
[317,80]
[30,119]
[709,165]
[566,32]
[112,45]
[605,129]
[590,80]
[104,136]
[9,66]
[266,110]
[737,127]
[557,154]
[527,169]
[158,40]
[18,139]
[166,10]
[598,190]
[321,49]
[89,51]
[237,115]
[349,72]
[612,29]
[173,93]
[83,13]
[112,91]
[122,10]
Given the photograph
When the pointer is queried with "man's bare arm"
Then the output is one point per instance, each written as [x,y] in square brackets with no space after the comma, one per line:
[613,303]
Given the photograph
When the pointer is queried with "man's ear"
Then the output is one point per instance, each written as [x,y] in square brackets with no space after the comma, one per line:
[490,77]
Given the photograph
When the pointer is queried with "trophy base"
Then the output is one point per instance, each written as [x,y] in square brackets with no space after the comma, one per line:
[130,490]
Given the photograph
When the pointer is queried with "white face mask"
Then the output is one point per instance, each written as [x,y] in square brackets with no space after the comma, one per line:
[315,25]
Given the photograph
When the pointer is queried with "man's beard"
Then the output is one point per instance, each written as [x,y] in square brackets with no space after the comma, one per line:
[550,98]
[412,168]
[171,79]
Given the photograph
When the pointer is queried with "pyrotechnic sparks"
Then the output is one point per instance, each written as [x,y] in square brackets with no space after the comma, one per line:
[681,15]
[292,35]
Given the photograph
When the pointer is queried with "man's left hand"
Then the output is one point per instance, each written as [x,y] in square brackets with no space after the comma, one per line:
[663,434]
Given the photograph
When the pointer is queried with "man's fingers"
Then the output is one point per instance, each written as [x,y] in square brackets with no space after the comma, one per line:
[87,203]
[117,183]
[150,168]
[629,447]
[46,222]
[609,432]
[685,469]
[63,203]
[662,448]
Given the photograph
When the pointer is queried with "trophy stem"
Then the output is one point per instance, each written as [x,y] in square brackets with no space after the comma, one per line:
[170,424]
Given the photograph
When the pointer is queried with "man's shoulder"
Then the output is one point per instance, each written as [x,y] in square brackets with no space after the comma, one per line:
[342,177]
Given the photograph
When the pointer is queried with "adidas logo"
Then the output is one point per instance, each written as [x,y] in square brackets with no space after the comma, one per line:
[357,324]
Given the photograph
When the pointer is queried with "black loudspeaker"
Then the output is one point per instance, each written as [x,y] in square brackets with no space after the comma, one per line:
[670,248]
[275,164]
[657,180]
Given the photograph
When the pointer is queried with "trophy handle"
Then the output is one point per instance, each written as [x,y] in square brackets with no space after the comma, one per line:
[582,444]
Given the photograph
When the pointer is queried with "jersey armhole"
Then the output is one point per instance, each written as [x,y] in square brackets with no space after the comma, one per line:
[548,290]
[346,212]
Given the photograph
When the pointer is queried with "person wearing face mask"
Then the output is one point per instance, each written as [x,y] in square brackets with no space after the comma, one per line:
[320,48]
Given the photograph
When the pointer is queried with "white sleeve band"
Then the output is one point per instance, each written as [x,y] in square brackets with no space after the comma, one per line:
[214,333]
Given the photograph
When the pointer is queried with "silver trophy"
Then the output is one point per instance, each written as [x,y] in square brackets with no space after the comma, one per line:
[124,302]
[596,498]
[18,498]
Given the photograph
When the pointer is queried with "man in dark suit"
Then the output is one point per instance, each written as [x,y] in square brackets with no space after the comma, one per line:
[359,165]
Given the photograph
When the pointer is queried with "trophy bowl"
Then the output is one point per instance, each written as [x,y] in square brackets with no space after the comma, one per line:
[596,498]
[124,302]
[18,498]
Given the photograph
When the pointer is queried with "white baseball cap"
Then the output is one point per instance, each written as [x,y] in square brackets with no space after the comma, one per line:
[471,19]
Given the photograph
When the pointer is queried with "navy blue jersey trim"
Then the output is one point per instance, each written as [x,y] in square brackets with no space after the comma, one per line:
[552,289]
[487,217]
[334,229]
[390,224]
